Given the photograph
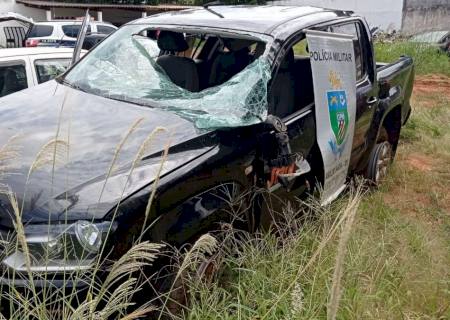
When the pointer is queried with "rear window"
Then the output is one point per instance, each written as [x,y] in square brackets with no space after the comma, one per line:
[40,31]
[48,69]
[13,77]
[105,29]
[72,30]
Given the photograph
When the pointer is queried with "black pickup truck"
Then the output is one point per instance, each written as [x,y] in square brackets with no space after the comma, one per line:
[190,109]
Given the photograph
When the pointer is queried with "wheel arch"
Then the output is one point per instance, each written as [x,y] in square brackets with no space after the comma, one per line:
[392,123]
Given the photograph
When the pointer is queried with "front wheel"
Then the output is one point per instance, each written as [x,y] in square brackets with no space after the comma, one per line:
[380,159]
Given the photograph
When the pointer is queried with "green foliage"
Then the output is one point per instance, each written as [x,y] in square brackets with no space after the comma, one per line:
[427,59]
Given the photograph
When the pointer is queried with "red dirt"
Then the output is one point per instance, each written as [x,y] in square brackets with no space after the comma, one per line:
[432,84]
[420,162]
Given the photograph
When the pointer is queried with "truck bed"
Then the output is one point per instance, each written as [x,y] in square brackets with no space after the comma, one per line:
[396,82]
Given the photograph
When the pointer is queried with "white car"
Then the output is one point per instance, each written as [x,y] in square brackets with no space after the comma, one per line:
[63,32]
[21,68]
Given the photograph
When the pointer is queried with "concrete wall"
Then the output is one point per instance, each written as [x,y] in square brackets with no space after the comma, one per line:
[114,16]
[385,14]
[12,6]
[423,15]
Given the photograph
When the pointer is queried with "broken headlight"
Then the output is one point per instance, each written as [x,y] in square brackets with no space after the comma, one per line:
[59,247]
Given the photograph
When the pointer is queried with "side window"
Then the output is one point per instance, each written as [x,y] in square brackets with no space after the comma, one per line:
[301,48]
[13,77]
[105,29]
[50,68]
[40,30]
[292,87]
[72,30]
[352,29]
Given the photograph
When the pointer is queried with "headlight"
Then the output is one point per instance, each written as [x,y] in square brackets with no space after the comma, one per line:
[62,247]
[88,235]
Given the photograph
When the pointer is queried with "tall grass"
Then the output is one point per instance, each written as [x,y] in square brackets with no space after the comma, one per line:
[427,59]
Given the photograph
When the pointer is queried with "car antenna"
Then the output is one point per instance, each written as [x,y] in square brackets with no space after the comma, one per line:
[213,3]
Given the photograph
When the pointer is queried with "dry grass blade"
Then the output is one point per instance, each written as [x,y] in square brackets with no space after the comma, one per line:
[139,313]
[145,145]
[119,147]
[83,310]
[119,300]
[205,245]
[353,202]
[52,153]
[20,231]
[349,214]
[140,255]
[8,153]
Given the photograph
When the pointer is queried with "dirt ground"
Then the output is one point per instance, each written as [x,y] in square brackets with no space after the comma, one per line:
[419,191]
[432,84]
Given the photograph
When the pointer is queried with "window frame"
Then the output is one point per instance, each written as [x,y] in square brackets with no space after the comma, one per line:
[366,52]
[18,61]
[47,59]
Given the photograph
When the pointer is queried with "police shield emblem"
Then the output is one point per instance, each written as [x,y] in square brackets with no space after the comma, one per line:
[337,106]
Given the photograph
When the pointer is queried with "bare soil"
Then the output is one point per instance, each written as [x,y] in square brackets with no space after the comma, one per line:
[432,84]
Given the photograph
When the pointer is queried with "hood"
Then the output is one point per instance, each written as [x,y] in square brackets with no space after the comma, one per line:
[88,130]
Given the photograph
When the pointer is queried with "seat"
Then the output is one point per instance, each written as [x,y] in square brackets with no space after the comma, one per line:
[181,70]
[231,62]
[281,99]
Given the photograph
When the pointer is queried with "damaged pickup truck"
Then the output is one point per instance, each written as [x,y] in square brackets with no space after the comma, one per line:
[186,108]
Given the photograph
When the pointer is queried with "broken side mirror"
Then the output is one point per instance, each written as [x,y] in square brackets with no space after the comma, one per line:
[287,166]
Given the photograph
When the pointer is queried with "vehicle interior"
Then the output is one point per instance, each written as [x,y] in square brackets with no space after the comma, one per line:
[196,62]
[12,78]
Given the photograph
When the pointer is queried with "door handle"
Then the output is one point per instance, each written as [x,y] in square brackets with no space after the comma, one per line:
[371,100]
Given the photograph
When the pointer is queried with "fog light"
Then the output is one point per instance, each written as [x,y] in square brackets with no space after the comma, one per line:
[88,235]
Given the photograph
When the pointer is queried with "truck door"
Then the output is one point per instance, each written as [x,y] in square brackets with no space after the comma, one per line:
[366,89]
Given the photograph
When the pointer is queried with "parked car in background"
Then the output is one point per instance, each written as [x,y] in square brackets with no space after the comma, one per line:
[13,29]
[439,39]
[63,33]
[21,68]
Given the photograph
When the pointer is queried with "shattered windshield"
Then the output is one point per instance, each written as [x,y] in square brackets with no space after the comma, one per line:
[226,86]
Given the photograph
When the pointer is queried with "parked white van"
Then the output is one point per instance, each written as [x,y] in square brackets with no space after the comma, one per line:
[21,68]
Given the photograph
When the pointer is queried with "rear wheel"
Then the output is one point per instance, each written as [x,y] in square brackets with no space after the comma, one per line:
[380,159]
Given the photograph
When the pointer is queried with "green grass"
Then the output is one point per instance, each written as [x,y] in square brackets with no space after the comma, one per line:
[428,60]
[395,265]
[398,258]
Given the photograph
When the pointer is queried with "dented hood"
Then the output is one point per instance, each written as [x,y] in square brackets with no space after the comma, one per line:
[65,140]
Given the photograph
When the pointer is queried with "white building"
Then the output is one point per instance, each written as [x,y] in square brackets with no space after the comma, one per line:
[408,16]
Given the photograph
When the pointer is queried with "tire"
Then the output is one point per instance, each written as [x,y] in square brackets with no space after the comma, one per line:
[174,289]
[380,159]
